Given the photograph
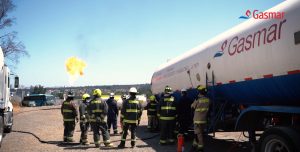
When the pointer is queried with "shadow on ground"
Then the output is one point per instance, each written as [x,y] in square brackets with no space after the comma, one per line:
[211,144]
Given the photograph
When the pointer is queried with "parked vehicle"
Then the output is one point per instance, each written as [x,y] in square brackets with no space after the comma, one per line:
[38,100]
[6,107]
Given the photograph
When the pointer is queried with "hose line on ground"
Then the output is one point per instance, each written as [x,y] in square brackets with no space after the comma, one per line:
[57,142]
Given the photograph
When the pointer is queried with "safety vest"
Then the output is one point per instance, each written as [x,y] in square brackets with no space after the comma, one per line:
[68,111]
[151,108]
[131,111]
[98,110]
[167,108]
[201,106]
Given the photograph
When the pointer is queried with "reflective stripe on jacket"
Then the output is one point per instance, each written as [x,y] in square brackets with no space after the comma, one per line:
[83,111]
[152,108]
[167,108]
[97,110]
[69,111]
[200,106]
[131,110]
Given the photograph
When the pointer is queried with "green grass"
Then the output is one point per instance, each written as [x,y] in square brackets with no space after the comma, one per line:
[106,96]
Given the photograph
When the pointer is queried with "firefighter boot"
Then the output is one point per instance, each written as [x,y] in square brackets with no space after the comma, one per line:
[121,145]
[132,144]
[108,145]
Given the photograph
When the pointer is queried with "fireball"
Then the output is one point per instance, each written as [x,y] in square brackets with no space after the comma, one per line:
[75,67]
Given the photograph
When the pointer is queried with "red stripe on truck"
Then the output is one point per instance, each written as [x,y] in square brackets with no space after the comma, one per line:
[268,76]
[247,79]
[294,72]
[232,81]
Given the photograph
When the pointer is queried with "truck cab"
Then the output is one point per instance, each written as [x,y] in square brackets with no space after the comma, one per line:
[6,107]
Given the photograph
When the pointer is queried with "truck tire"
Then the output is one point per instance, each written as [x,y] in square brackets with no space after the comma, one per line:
[8,128]
[1,129]
[280,139]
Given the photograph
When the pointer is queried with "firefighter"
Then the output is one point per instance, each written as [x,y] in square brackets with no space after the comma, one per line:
[112,113]
[98,113]
[70,115]
[121,118]
[152,114]
[131,112]
[167,117]
[84,118]
[185,118]
[200,106]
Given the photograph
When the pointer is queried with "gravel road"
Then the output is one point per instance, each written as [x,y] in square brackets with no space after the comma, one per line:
[32,124]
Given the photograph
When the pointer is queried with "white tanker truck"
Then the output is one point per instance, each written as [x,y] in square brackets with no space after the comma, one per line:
[252,73]
[6,107]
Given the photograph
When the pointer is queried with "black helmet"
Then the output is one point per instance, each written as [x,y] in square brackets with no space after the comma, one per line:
[168,90]
[70,94]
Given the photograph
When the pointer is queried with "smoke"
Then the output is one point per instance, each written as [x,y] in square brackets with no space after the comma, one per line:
[74,67]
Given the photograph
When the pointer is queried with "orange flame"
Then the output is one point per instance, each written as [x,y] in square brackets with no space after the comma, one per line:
[75,67]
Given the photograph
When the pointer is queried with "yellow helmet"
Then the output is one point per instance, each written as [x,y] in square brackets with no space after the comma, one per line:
[152,98]
[97,92]
[85,96]
[202,88]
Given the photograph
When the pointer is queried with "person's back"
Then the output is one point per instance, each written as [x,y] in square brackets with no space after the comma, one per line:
[98,113]
[112,108]
[185,118]
[84,118]
[112,114]
[184,108]
[69,112]
[98,110]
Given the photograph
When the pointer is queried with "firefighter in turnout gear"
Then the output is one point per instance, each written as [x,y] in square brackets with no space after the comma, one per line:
[131,112]
[112,113]
[84,118]
[121,117]
[98,113]
[152,114]
[70,114]
[201,106]
[184,110]
[167,117]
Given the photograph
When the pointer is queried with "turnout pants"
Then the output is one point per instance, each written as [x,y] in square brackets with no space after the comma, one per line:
[132,127]
[198,140]
[152,122]
[100,126]
[69,127]
[167,131]
[112,122]
[183,126]
[84,126]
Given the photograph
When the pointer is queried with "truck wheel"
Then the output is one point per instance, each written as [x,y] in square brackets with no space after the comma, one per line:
[10,117]
[1,129]
[279,139]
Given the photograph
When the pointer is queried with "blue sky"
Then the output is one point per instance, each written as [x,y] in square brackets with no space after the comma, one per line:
[122,41]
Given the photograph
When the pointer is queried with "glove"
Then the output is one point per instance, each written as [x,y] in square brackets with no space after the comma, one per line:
[77,119]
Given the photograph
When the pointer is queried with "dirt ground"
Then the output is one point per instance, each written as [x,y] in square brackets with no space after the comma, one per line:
[41,129]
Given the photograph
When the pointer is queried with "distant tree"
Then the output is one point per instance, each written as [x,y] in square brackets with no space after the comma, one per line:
[12,48]
[39,89]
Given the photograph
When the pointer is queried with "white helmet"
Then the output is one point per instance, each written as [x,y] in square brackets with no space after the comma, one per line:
[111,94]
[183,90]
[133,90]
